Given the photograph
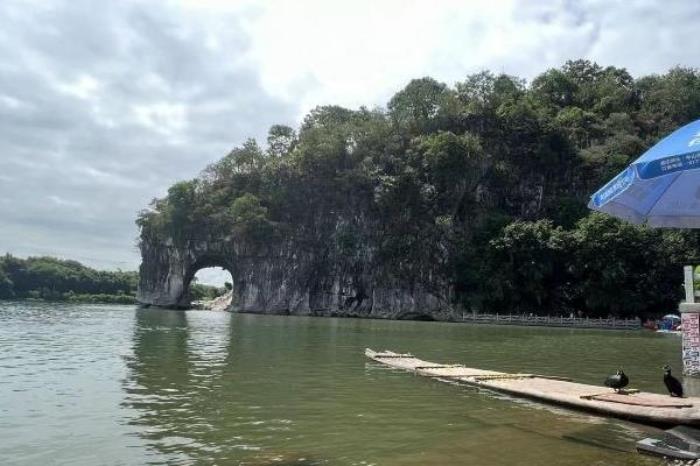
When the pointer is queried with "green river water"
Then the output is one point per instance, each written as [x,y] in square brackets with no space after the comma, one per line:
[115,385]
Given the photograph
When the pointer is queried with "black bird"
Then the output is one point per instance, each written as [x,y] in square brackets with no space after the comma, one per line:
[674,386]
[617,381]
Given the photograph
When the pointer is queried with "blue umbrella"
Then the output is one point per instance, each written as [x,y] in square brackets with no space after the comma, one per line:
[662,187]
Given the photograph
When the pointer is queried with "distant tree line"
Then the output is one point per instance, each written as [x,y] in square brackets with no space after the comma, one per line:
[484,182]
[52,279]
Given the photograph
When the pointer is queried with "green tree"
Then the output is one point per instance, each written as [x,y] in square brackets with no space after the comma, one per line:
[250,219]
[55,279]
[623,269]
[280,140]
[421,105]
[6,286]
[555,88]
[669,100]
[527,267]
[453,166]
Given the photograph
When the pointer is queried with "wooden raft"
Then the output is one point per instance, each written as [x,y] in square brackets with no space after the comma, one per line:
[644,407]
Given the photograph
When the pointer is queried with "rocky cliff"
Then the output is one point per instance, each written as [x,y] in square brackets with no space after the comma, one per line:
[286,278]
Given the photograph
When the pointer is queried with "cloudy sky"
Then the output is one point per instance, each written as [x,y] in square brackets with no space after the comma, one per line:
[104,104]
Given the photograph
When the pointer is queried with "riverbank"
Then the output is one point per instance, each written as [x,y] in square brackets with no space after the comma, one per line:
[514,320]
[71,298]
[220,303]
[224,303]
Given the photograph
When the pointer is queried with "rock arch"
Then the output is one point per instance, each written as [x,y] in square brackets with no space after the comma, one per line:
[167,270]
[206,263]
[284,277]
[260,279]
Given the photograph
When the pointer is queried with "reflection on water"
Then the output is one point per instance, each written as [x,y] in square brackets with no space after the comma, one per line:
[113,385]
[158,386]
[192,400]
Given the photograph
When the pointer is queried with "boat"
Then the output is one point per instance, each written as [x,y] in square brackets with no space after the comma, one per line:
[634,405]
[671,324]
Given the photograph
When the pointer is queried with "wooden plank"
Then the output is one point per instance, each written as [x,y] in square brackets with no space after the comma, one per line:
[455,372]
[504,376]
[640,400]
[393,355]
[438,366]
[641,406]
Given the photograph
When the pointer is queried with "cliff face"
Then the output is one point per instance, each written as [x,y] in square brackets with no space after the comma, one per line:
[351,256]
[286,278]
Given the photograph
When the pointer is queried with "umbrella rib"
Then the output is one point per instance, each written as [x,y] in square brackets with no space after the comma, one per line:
[678,175]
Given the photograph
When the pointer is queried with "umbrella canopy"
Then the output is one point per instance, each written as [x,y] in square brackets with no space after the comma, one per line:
[660,188]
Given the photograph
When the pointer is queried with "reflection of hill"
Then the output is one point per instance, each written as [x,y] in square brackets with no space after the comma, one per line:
[186,396]
[157,385]
[198,392]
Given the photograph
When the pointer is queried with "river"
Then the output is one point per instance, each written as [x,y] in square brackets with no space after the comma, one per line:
[115,385]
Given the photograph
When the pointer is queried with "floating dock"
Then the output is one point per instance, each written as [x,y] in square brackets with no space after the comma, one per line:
[644,407]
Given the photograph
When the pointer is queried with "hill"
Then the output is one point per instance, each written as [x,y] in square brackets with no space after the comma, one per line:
[471,196]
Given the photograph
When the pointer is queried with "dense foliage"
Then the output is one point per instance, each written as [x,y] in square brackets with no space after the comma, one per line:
[52,279]
[601,266]
[63,280]
[487,181]
[201,292]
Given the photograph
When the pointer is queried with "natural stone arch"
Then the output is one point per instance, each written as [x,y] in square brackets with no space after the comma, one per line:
[261,278]
[206,262]
[288,277]
[167,270]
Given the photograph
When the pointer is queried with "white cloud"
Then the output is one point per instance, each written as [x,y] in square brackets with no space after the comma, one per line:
[102,109]
[60,202]
[167,118]
[347,53]
[361,52]
[84,87]
[10,102]
[214,276]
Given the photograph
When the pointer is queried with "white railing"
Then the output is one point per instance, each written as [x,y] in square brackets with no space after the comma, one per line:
[550,321]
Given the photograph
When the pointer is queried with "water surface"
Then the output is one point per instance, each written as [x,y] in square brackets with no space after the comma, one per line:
[115,385]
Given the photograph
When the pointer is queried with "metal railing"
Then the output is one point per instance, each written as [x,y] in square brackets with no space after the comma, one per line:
[551,321]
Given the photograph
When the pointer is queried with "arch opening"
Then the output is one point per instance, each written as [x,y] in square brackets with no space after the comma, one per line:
[209,287]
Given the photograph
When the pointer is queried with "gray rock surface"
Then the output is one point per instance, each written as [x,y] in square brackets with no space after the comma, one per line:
[284,277]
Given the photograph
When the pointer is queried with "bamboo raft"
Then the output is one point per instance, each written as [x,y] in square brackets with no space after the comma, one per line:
[645,407]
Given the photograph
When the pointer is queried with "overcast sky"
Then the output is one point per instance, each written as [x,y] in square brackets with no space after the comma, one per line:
[104,104]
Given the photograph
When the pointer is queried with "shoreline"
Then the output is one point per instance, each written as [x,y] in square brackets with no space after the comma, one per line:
[554,321]
[80,299]
[513,320]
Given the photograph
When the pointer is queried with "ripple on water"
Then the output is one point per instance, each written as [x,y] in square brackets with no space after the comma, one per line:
[85,383]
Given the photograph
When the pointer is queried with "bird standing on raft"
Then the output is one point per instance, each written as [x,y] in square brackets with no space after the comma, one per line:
[672,384]
[617,381]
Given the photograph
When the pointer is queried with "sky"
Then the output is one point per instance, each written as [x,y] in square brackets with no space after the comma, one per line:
[103,105]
